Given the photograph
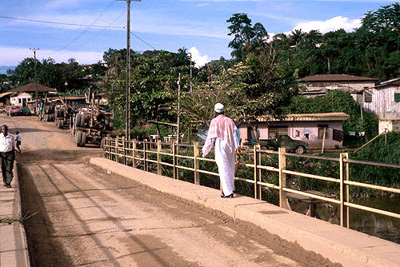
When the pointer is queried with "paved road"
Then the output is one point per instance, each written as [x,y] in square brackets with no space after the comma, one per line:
[79,215]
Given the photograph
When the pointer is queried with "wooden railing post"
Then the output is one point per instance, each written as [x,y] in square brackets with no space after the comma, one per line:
[116,149]
[159,171]
[256,178]
[145,167]
[123,150]
[344,191]
[134,153]
[196,165]
[109,142]
[282,179]
[174,160]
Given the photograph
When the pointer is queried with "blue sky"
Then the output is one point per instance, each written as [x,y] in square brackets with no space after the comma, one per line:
[198,25]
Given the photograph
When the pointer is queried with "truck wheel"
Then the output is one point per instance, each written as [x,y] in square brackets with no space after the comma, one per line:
[78,138]
[82,122]
[300,150]
[83,139]
[77,119]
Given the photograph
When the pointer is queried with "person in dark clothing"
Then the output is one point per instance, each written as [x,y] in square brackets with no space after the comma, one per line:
[7,155]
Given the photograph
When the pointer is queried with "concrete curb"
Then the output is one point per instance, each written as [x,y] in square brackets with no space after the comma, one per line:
[13,243]
[338,244]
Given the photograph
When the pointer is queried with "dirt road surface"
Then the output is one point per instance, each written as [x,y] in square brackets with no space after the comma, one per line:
[79,215]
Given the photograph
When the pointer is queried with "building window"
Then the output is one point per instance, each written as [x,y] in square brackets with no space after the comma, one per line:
[367,97]
[397,97]
[321,130]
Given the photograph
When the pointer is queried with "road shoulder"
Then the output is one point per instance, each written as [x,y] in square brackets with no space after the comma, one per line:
[13,243]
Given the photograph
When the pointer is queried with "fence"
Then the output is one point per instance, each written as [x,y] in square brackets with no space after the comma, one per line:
[139,152]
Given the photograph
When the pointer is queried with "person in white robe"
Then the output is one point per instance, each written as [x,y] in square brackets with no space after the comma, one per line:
[222,132]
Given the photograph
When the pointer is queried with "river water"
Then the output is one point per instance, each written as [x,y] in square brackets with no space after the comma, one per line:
[375,224]
[381,226]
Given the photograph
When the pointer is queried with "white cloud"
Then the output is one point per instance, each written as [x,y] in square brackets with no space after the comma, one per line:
[12,56]
[332,24]
[198,58]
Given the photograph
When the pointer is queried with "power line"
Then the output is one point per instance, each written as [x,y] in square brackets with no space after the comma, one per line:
[86,30]
[143,40]
[63,23]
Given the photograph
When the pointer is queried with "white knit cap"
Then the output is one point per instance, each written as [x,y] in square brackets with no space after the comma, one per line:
[219,108]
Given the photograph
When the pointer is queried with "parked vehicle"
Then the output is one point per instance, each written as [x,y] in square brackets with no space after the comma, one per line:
[25,111]
[13,111]
[297,146]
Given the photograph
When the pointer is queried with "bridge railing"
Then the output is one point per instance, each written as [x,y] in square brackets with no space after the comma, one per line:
[135,153]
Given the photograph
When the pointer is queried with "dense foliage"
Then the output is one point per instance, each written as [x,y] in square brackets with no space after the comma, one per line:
[62,76]
[371,51]
[153,85]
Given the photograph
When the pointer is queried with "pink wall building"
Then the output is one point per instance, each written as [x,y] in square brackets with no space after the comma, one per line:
[310,128]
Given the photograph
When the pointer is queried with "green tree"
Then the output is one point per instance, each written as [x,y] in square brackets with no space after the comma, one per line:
[153,87]
[246,37]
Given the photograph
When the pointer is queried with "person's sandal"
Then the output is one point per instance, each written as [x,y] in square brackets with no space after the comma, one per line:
[228,196]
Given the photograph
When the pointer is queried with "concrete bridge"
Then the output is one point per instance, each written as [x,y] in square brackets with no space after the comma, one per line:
[338,244]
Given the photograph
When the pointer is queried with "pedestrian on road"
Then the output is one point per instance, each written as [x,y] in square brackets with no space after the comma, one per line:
[18,140]
[222,132]
[7,144]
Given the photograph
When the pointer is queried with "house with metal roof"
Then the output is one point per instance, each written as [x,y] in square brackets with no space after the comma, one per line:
[315,129]
[317,85]
[383,100]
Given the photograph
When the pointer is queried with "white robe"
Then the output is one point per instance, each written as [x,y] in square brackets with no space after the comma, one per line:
[222,132]
[225,159]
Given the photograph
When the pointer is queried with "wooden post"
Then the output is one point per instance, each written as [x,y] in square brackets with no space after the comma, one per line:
[174,160]
[344,191]
[259,176]
[282,178]
[134,153]
[145,167]
[196,165]
[255,154]
[159,171]
[123,150]
[116,148]
[323,140]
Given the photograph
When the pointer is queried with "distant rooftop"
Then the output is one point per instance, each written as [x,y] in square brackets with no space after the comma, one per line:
[30,87]
[337,78]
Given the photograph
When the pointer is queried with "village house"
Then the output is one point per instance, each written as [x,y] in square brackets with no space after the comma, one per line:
[311,128]
[317,85]
[383,101]
[20,99]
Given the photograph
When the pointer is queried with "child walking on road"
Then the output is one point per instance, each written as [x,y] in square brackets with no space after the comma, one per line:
[18,139]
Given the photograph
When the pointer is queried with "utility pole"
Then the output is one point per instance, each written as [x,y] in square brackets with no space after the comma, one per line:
[34,66]
[191,84]
[128,69]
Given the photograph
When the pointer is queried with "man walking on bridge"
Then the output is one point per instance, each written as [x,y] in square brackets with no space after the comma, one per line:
[222,131]
[7,144]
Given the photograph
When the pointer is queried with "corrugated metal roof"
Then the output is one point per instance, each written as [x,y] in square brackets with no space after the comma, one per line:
[30,87]
[334,116]
[6,94]
[393,82]
[337,78]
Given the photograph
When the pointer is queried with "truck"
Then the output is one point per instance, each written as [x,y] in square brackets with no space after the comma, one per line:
[91,124]
[63,114]
[297,146]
